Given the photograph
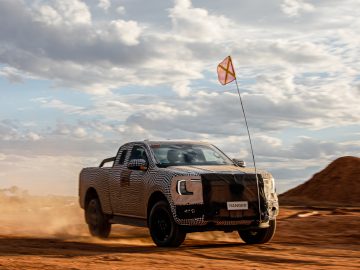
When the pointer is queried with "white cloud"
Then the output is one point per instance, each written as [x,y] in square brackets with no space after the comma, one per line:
[63,12]
[277,87]
[9,130]
[80,132]
[57,104]
[182,88]
[120,10]
[104,4]
[197,25]
[12,74]
[127,32]
[286,54]
[33,136]
[91,55]
[293,8]
[68,48]
[48,15]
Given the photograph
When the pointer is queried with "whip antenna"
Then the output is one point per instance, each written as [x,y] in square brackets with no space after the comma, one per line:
[226,74]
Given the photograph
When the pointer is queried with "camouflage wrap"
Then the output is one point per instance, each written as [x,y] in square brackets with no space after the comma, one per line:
[126,192]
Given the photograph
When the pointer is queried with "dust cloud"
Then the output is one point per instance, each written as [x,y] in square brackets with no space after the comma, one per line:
[27,215]
[61,217]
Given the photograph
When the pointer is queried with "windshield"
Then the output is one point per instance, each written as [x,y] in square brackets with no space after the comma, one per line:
[188,154]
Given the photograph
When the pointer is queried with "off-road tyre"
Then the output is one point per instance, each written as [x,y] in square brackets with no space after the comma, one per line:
[259,236]
[97,221]
[164,231]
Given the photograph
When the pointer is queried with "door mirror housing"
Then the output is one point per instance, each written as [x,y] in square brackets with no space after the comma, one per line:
[239,162]
[138,164]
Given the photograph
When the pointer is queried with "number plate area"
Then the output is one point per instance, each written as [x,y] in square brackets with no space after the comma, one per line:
[239,205]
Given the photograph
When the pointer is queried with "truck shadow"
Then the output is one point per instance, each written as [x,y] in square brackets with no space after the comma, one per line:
[17,246]
[112,251]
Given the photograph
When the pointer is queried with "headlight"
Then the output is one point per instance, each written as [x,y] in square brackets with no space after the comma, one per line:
[272,181]
[181,188]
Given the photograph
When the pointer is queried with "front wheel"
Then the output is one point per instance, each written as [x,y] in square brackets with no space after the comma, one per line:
[164,231]
[98,223]
[259,236]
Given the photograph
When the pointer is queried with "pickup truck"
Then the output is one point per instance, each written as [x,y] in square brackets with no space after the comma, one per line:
[175,188]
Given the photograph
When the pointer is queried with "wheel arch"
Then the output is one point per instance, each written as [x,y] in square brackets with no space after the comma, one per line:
[90,194]
[176,235]
[153,199]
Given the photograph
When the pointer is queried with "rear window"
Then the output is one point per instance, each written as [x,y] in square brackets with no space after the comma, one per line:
[122,157]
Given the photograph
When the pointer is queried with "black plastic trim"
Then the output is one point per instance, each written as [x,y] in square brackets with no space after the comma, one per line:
[126,220]
[106,160]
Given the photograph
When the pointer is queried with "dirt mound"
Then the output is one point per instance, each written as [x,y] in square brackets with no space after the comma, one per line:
[337,184]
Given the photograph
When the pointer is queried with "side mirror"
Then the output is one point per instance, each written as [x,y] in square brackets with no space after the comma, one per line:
[138,164]
[239,162]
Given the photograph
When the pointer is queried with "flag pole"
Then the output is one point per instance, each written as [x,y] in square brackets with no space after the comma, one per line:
[251,147]
[227,67]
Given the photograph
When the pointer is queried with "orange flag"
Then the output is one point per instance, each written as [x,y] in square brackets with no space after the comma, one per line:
[226,72]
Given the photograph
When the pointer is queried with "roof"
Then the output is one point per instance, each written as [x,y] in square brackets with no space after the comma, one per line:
[174,142]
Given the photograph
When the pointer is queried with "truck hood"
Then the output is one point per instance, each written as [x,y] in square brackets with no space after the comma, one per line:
[193,169]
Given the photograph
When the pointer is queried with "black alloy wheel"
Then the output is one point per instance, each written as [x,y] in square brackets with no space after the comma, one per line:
[259,236]
[164,231]
[98,223]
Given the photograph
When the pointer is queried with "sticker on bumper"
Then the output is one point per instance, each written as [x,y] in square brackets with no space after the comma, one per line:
[241,205]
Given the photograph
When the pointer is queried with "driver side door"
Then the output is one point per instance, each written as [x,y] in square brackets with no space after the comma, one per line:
[132,185]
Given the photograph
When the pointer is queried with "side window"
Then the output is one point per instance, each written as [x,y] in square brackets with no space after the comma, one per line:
[122,157]
[138,152]
[212,156]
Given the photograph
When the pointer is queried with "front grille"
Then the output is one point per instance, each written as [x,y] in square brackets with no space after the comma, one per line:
[218,189]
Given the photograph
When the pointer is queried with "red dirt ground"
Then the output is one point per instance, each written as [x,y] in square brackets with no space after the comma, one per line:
[49,233]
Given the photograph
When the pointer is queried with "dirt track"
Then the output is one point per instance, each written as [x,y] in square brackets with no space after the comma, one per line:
[325,240]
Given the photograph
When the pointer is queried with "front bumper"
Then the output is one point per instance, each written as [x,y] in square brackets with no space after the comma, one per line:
[218,189]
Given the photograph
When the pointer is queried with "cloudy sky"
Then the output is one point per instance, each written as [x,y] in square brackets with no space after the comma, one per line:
[79,78]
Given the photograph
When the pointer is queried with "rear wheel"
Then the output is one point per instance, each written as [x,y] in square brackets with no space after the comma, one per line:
[259,236]
[164,231]
[98,223]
